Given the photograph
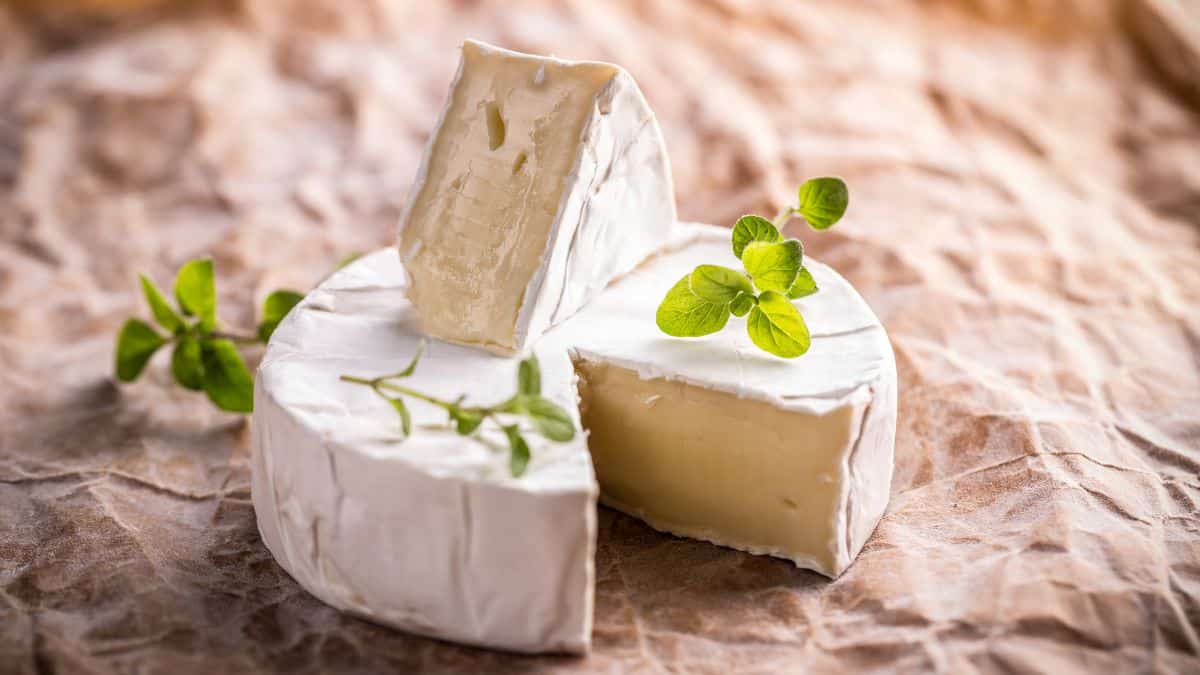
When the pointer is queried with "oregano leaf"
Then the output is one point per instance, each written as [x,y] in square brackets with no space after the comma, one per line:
[405,416]
[518,458]
[775,325]
[274,309]
[742,304]
[136,343]
[514,405]
[466,420]
[196,291]
[164,314]
[529,377]
[823,201]
[187,363]
[753,228]
[412,365]
[226,380]
[550,419]
[717,284]
[684,314]
[774,267]
[803,285]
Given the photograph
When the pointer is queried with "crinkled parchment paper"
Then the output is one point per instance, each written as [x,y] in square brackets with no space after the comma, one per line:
[1025,220]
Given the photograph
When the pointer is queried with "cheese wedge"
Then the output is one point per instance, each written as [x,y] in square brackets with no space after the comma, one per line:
[433,534]
[715,439]
[543,181]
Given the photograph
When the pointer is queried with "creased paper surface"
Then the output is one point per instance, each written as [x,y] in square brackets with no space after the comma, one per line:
[1025,219]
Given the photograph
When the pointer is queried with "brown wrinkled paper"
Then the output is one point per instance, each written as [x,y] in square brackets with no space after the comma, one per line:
[1025,218]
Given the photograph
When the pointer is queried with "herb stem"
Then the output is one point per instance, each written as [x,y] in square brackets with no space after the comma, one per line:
[548,419]
[234,337]
[784,216]
[413,393]
[358,380]
[380,383]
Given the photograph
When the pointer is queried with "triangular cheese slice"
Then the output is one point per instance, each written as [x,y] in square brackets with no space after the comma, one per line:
[543,181]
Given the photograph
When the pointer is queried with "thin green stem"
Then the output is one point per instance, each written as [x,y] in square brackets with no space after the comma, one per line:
[380,383]
[415,394]
[358,380]
[234,337]
[784,217]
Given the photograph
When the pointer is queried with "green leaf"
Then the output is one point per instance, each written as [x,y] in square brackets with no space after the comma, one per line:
[275,307]
[518,458]
[753,228]
[514,405]
[136,343]
[529,377]
[774,267]
[803,285]
[742,304]
[226,380]
[164,314]
[718,285]
[466,420]
[197,293]
[187,363]
[823,202]
[550,419]
[775,325]
[412,365]
[405,417]
[685,314]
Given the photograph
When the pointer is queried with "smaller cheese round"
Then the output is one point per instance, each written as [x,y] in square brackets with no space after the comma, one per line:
[715,439]
[432,534]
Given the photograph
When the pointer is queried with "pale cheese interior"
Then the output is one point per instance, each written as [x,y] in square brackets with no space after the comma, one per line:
[706,464]
[480,224]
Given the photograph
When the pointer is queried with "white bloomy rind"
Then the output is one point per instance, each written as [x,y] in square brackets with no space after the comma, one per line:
[434,536]
[431,535]
[617,207]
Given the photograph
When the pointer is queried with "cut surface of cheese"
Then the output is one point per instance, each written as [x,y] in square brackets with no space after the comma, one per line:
[544,180]
[715,439]
[433,534]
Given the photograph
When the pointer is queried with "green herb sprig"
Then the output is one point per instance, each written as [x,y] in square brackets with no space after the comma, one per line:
[205,358]
[701,302]
[545,416]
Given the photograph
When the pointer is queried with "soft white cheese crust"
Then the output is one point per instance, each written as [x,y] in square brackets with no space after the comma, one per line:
[431,535]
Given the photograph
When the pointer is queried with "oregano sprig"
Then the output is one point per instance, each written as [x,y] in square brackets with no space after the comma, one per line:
[701,302]
[527,405]
[204,358]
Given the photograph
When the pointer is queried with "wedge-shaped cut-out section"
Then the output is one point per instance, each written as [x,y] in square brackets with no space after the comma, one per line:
[715,439]
[544,180]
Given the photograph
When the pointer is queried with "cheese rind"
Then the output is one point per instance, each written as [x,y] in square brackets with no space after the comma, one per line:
[432,535]
[715,439]
[544,180]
